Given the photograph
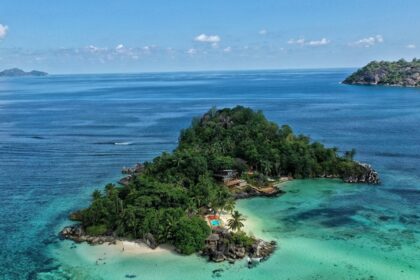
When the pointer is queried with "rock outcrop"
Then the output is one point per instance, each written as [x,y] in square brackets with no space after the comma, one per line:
[79,235]
[254,192]
[130,173]
[398,73]
[366,175]
[220,247]
[136,169]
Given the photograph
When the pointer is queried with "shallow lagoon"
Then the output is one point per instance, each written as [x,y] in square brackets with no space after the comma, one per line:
[321,235]
[57,144]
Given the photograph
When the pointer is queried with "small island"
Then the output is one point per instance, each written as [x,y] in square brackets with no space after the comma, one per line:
[399,73]
[16,72]
[186,198]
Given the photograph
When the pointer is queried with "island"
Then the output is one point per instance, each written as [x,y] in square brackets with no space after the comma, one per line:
[16,72]
[398,73]
[186,198]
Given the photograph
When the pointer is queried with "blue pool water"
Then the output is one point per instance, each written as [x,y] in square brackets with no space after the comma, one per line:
[215,223]
[62,136]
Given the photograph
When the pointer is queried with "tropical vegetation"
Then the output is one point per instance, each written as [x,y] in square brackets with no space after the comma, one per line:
[401,72]
[169,198]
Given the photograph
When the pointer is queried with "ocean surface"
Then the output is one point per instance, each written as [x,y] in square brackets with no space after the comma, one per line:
[63,136]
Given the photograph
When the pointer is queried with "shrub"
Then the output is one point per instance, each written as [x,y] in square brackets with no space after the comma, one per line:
[96,230]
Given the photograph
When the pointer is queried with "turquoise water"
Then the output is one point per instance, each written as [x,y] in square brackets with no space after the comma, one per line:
[215,223]
[63,136]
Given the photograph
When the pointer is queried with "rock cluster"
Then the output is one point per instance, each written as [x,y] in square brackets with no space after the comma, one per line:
[219,247]
[368,175]
[254,192]
[130,172]
[136,169]
[78,234]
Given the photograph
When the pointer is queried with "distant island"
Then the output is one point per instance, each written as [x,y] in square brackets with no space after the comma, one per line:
[16,72]
[399,73]
[186,198]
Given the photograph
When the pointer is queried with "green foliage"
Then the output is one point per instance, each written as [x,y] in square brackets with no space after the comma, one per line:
[166,199]
[225,136]
[400,72]
[96,230]
[235,223]
[191,234]
[241,239]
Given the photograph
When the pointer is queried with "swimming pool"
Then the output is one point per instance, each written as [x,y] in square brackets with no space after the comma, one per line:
[215,223]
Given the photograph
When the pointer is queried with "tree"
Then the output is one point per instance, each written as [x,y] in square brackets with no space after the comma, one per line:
[230,206]
[171,226]
[190,235]
[350,154]
[96,195]
[235,223]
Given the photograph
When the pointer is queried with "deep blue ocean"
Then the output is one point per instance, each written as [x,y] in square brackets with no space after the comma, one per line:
[62,136]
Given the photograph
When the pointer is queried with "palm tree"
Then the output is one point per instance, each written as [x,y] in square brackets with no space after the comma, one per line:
[96,195]
[230,205]
[191,207]
[131,220]
[171,225]
[220,200]
[235,223]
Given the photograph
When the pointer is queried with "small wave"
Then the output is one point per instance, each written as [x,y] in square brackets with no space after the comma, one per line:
[123,143]
[113,143]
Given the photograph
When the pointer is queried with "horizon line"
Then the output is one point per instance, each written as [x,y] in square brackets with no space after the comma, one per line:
[203,71]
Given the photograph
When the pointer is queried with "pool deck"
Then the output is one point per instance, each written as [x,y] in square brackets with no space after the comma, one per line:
[211,218]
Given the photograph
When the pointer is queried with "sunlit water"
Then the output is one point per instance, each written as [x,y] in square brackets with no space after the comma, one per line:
[63,136]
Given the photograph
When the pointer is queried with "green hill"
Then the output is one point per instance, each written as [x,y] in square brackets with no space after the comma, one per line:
[399,73]
[167,199]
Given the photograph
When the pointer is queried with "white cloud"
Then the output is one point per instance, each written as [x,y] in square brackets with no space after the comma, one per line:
[369,41]
[3,30]
[303,42]
[300,41]
[191,51]
[263,32]
[215,45]
[207,38]
[227,49]
[411,46]
[92,49]
[321,42]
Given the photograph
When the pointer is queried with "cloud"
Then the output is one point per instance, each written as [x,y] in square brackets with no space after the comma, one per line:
[263,32]
[3,30]
[92,49]
[411,46]
[369,41]
[119,47]
[300,41]
[208,38]
[321,42]
[303,42]
[192,51]
[227,49]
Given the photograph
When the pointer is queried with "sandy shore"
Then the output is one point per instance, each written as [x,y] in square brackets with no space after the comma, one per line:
[138,248]
[103,253]
[250,224]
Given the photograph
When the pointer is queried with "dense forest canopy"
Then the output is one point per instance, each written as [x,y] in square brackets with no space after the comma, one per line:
[401,72]
[168,198]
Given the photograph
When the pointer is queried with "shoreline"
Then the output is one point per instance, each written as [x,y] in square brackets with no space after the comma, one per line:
[140,248]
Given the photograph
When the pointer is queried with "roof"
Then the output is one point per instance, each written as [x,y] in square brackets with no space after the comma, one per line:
[213,237]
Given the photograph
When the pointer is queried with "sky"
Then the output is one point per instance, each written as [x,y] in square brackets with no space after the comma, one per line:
[104,36]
